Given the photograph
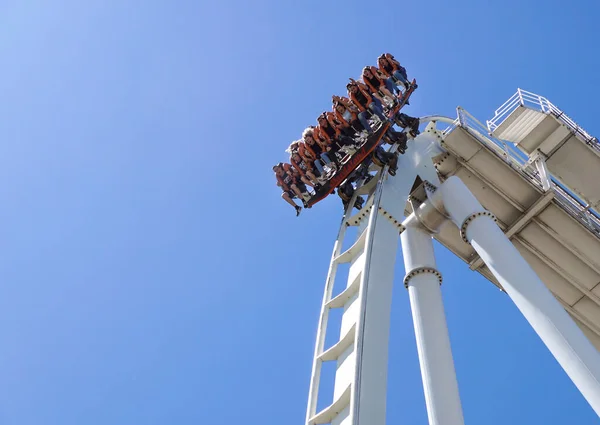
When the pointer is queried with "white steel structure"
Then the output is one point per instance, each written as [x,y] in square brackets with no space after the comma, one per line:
[517,201]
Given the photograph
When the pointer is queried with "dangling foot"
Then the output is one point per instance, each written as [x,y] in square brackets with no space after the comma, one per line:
[298,209]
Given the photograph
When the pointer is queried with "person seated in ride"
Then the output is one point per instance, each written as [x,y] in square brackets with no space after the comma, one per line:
[305,168]
[349,116]
[336,124]
[330,138]
[289,184]
[368,90]
[319,151]
[310,158]
[392,68]
[344,137]
[379,85]
[307,176]
[364,102]
[324,142]
[328,127]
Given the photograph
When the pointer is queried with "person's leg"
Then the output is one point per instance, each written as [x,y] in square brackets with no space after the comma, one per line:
[297,191]
[331,154]
[377,97]
[287,198]
[377,109]
[312,177]
[389,84]
[306,181]
[362,117]
[357,126]
[325,157]
[388,91]
[301,192]
[402,77]
[318,166]
[344,140]
[348,131]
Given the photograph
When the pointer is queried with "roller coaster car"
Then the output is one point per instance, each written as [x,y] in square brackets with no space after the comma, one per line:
[351,162]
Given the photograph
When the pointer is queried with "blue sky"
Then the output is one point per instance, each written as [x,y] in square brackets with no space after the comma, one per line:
[149,271]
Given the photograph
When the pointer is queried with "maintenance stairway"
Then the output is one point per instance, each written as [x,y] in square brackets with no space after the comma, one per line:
[539,173]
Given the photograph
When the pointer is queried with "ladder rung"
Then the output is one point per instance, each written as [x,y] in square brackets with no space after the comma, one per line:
[335,351]
[350,253]
[360,215]
[346,294]
[328,414]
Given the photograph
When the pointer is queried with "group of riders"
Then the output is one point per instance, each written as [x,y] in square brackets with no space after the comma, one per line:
[324,148]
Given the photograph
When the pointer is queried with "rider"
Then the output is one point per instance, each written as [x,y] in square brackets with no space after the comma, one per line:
[289,184]
[309,157]
[305,168]
[330,135]
[349,116]
[392,68]
[364,102]
[379,85]
[316,148]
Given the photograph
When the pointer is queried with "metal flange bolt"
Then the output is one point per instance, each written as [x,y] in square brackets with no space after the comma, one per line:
[392,220]
[469,219]
[429,187]
[363,213]
[421,270]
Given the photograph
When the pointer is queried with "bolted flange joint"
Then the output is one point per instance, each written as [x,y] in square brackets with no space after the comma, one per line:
[469,219]
[363,213]
[421,270]
[392,220]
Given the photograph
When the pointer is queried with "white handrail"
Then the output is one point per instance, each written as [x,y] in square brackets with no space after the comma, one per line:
[537,102]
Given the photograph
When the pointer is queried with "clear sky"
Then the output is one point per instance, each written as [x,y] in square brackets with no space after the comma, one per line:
[149,271]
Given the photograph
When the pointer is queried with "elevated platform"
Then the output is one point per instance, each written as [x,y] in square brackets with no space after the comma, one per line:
[541,130]
[555,232]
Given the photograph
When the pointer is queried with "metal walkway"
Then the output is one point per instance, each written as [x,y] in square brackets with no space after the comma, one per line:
[539,173]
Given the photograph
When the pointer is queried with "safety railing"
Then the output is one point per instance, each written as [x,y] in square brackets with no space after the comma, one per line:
[506,150]
[539,103]
[518,161]
[450,127]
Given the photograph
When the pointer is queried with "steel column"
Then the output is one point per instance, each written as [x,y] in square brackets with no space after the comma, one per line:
[564,339]
[433,342]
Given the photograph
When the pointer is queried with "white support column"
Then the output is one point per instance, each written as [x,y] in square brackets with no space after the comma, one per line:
[564,339]
[360,352]
[433,342]
[540,165]
[369,395]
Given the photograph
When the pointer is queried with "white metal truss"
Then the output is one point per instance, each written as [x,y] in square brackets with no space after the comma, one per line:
[357,396]
[361,348]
